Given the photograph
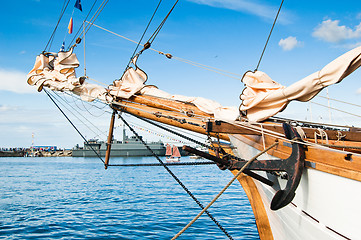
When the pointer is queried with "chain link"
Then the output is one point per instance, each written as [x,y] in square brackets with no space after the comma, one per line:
[175,177]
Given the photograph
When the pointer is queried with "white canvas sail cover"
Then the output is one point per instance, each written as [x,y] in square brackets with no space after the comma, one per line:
[57,72]
[263,97]
[133,82]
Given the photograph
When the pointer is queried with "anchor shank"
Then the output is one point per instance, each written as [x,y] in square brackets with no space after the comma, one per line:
[226,163]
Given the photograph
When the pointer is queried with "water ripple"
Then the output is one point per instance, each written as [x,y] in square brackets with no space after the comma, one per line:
[74,198]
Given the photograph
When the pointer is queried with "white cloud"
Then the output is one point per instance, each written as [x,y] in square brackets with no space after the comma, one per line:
[6,108]
[330,31]
[289,43]
[252,7]
[14,81]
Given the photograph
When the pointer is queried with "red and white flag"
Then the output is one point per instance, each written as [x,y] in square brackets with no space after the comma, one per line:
[70,26]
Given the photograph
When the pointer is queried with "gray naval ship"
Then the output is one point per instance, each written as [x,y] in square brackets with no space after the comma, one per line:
[128,147]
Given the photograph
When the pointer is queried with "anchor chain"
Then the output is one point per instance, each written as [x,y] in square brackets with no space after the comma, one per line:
[176,178]
[158,164]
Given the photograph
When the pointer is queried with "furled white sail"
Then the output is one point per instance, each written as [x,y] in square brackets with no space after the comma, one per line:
[57,72]
[263,97]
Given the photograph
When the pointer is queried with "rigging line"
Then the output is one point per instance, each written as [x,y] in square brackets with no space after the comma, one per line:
[308,122]
[336,100]
[73,125]
[77,33]
[217,70]
[94,17]
[100,9]
[336,109]
[223,190]
[269,36]
[176,178]
[141,38]
[174,132]
[271,133]
[156,32]
[57,24]
[184,132]
[86,108]
[95,101]
[94,80]
[139,126]
[310,144]
[209,68]
[79,118]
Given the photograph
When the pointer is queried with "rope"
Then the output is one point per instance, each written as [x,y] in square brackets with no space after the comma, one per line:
[73,125]
[57,24]
[156,32]
[170,56]
[78,113]
[336,109]
[83,26]
[266,132]
[159,164]
[141,38]
[269,36]
[336,100]
[223,190]
[175,177]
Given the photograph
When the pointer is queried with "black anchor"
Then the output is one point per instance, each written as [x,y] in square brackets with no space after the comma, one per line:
[293,166]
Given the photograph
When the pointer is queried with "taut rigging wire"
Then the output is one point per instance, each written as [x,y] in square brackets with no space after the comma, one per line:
[57,24]
[77,33]
[156,32]
[79,114]
[176,178]
[51,98]
[170,56]
[269,36]
[145,31]
[154,35]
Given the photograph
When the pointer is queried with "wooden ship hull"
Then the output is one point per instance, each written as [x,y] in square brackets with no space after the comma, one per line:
[325,205]
[306,181]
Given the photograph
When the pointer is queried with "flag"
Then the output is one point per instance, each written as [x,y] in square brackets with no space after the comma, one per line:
[70,26]
[62,49]
[78,5]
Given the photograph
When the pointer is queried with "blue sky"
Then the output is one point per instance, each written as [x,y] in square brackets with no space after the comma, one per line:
[227,34]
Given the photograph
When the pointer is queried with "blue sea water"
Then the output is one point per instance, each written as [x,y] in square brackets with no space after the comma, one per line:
[75,198]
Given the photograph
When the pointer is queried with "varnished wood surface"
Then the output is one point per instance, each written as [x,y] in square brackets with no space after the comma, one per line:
[167,117]
[259,211]
[254,197]
[224,127]
[323,159]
